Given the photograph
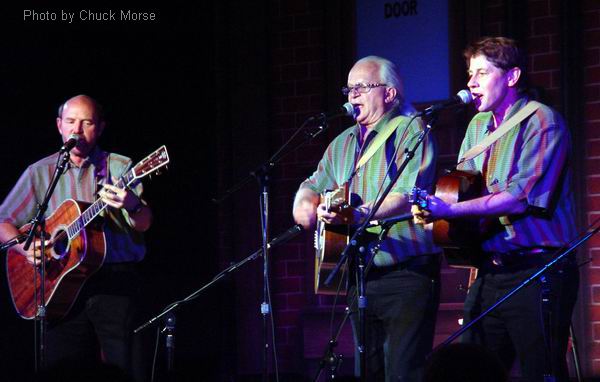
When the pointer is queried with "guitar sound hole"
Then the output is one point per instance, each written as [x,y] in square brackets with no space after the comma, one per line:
[61,245]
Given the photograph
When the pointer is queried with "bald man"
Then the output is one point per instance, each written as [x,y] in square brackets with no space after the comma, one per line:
[102,316]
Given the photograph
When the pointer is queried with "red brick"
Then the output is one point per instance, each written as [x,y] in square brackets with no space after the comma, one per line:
[494,13]
[591,19]
[592,129]
[297,300]
[311,21]
[539,44]
[309,87]
[594,241]
[592,110]
[286,318]
[593,276]
[294,72]
[545,25]
[593,147]
[595,367]
[589,5]
[292,104]
[595,289]
[591,38]
[546,62]
[282,23]
[592,75]
[280,302]
[593,168]
[281,334]
[310,54]
[293,7]
[282,56]
[594,350]
[592,93]
[288,285]
[591,57]
[293,39]
[538,8]
[296,268]
[541,78]
[594,254]
[317,70]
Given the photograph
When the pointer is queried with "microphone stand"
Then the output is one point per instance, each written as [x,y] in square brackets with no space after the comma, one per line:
[168,315]
[262,175]
[329,357]
[572,246]
[359,255]
[38,223]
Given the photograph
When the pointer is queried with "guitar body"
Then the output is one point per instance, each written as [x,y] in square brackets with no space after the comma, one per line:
[68,264]
[460,238]
[76,250]
[330,242]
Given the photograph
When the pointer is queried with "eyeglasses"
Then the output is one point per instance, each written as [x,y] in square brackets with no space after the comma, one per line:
[360,88]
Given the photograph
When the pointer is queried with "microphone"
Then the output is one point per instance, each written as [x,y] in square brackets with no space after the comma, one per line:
[463,97]
[287,235]
[70,143]
[345,109]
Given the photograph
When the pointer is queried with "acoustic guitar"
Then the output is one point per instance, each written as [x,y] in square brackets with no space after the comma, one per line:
[460,238]
[76,250]
[330,242]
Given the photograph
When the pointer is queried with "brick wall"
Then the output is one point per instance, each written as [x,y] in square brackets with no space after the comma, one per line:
[299,87]
[591,275]
[297,76]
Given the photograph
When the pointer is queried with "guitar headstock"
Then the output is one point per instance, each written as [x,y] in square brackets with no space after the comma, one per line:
[418,197]
[151,163]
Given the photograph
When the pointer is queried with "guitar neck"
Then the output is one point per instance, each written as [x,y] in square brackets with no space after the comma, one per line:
[96,208]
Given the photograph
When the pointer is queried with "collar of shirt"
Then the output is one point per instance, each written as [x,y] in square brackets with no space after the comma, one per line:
[380,125]
[518,105]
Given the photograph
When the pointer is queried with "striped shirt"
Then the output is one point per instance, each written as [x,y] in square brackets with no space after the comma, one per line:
[531,163]
[405,239]
[123,244]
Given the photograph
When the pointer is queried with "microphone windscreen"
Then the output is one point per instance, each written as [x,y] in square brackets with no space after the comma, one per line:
[349,110]
[465,96]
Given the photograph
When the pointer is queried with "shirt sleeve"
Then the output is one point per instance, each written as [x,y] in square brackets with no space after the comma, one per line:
[21,203]
[323,178]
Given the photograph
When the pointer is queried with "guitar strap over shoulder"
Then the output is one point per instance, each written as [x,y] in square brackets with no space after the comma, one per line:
[504,128]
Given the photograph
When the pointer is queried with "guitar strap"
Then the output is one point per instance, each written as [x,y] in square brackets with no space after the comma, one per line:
[504,128]
[378,141]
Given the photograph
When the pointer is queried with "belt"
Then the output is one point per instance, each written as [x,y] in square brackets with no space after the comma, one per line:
[410,263]
[524,258]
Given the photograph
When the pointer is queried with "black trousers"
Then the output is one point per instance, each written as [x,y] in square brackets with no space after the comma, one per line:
[517,328]
[401,311]
[99,327]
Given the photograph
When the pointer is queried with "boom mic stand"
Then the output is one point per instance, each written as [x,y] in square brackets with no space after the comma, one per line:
[167,314]
[263,177]
[354,243]
[571,247]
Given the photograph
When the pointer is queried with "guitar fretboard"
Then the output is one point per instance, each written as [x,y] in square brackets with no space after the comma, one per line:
[96,208]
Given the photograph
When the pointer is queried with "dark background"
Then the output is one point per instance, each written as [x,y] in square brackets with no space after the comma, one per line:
[156,81]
